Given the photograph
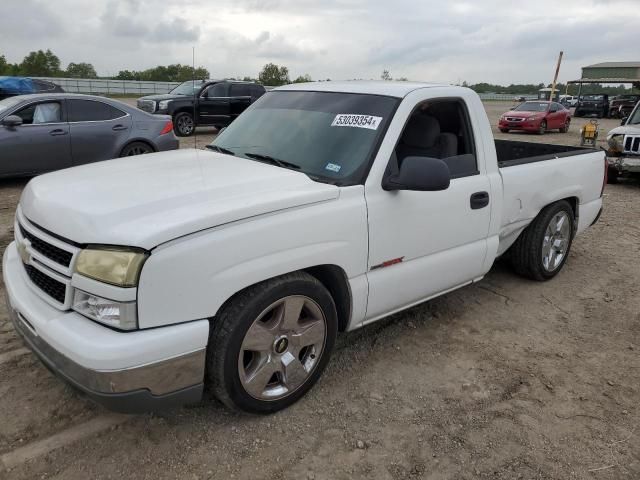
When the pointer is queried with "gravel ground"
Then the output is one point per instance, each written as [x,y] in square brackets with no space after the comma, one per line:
[505,379]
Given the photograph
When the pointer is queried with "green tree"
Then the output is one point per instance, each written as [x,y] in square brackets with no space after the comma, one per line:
[40,64]
[386,75]
[274,75]
[4,66]
[81,70]
[169,73]
[303,79]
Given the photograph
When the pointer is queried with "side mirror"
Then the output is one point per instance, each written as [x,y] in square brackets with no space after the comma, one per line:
[12,121]
[623,120]
[422,174]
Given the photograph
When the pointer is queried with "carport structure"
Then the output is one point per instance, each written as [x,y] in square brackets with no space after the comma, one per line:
[610,72]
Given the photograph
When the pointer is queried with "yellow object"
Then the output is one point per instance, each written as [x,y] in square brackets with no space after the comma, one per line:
[589,133]
[117,266]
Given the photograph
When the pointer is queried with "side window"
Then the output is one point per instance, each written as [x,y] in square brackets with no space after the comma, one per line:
[257,91]
[240,90]
[216,90]
[92,111]
[440,129]
[47,112]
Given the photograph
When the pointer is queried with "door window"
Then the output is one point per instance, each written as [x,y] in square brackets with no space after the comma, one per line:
[440,129]
[216,90]
[92,111]
[240,90]
[46,112]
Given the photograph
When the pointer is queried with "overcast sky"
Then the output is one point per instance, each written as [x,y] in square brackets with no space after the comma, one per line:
[497,41]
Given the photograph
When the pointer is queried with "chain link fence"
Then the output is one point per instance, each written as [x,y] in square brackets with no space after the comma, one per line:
[96,86]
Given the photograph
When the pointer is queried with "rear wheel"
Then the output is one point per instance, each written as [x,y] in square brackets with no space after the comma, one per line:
[184,124]
[543,247]
[543,127]
[271,343]
[136,148]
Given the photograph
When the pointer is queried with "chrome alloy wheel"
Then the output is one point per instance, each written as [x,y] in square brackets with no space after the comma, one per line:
[556,241]
[185,125]
[282,348]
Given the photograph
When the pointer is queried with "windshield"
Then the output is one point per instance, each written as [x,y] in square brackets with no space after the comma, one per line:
[533,107]
[190,87]
[331,137]
[592,97]
[634,119]
[7,103]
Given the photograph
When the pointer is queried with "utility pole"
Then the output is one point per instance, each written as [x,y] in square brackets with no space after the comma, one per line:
[555,78]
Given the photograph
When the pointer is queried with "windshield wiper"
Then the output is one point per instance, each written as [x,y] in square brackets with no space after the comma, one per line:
[216,148]
[272,160]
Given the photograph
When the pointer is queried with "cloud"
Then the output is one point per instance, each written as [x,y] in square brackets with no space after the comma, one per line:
[497,41]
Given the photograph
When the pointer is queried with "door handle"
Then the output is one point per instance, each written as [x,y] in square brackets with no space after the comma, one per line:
[119,127]
[479,200]
[57,131]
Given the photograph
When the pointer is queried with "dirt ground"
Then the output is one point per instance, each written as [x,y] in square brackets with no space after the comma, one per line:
[506,379]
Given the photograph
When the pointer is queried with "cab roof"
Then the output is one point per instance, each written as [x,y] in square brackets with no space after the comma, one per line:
[371,87]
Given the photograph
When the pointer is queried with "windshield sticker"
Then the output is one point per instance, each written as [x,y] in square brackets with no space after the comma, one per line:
[359,121]
[332,167]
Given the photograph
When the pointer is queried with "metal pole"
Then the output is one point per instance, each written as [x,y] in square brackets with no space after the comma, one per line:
[555,78]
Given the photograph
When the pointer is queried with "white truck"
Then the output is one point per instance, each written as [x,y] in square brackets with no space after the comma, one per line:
[624,147]
[324,207]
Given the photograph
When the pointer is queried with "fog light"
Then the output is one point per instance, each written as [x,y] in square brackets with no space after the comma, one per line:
[121,315]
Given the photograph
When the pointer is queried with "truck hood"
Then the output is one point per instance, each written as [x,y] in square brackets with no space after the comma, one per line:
[626,130]
[166,96]
[150,199]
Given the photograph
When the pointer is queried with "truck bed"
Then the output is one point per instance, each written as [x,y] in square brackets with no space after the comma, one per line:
[511,153]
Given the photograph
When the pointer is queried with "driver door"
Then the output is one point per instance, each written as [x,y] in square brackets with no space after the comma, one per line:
[213,105]
[41,144]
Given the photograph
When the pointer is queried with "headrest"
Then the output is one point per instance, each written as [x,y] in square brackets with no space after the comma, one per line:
[421,131]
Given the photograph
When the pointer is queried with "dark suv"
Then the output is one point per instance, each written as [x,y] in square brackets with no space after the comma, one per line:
[622,105]
[203,102]
[594,103]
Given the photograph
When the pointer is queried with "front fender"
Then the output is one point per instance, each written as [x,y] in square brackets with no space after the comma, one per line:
[191,278]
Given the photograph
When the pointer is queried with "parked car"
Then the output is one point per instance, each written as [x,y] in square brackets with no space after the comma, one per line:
[323,208]
[537,116]
[592,104]
[623,153]
[568,100]
[45,132]
[211,102]
[621,105]
[12,86]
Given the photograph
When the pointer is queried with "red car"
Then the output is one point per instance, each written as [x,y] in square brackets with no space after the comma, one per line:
[536,116]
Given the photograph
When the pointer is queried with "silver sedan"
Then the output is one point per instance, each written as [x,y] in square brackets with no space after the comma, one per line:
[41,133]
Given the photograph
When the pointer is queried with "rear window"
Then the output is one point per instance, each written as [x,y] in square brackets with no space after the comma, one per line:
[92,111]
[592,97]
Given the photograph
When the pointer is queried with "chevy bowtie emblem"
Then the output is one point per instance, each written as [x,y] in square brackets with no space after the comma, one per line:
[24,253]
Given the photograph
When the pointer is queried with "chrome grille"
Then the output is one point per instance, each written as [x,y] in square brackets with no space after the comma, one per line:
[515,119]
[52,252]
[632,144]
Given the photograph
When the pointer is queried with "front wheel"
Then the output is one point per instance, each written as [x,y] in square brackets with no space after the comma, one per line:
[504,130]
[184,124]
[565,127]
[542,248]
[543,127]
[271,342]
[612,175]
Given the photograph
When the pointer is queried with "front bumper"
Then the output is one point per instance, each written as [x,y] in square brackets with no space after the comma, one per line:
[624,164]
[128,372]
[527,126]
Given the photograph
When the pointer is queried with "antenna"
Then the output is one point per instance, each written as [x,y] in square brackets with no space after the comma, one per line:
[195,100]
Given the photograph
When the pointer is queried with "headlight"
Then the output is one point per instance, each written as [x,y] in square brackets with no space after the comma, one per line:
[615,143]
[530,119]
[122,315]
[163,105]
[115,265]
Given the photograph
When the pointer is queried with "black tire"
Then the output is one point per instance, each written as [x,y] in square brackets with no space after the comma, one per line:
[577,113]
[184,125]
[612,176]
[504,130]
[543,127]
[566,126]
[526,253]
[136,148]
[229,327]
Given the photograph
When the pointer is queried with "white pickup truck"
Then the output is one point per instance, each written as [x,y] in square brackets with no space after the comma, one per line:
[322,208]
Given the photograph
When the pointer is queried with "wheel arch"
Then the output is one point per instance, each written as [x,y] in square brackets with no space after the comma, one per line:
[138,140]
